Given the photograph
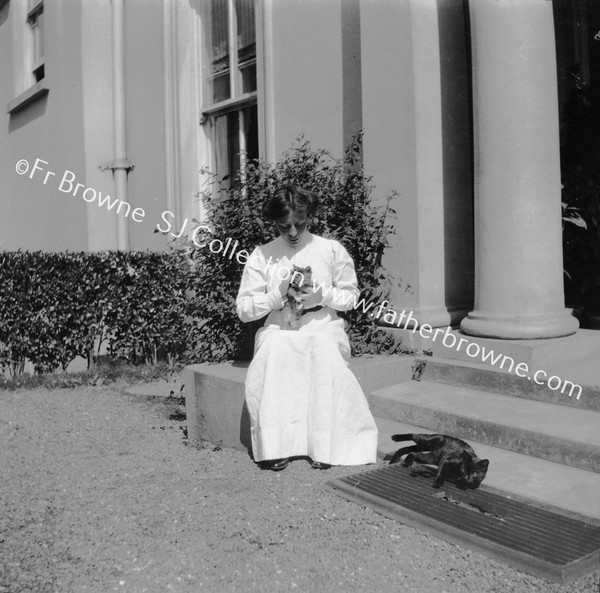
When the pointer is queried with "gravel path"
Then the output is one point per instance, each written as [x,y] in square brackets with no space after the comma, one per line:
[99,492]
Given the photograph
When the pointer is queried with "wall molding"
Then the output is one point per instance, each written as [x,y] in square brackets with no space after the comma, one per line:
[172,119]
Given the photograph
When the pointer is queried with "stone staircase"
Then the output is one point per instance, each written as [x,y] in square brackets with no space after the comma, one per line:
[542,444]
[561,433]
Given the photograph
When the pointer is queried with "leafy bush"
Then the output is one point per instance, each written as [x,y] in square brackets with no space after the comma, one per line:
[346,213]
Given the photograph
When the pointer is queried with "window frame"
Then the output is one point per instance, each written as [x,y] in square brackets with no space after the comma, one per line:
[237,101]
[36,81]
[36,24]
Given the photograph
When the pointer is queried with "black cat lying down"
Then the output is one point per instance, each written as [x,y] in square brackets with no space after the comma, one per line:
[455,459]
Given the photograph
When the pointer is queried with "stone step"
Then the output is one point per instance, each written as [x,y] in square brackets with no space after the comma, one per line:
[584,373]
[562,434]
[520,476]
[537,354]
[214,394]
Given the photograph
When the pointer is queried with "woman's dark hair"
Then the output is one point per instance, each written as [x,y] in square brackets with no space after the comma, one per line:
[290,198]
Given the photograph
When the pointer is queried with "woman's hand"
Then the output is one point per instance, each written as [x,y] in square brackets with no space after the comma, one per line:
[283,288]
[311,297]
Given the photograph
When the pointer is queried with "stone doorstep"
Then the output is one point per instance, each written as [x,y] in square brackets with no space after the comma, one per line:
[558,433]
[215,394]
[215,412]
[519,476]
[584,372]
[537,354]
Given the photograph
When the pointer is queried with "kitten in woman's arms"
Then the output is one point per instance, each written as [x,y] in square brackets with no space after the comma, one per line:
[293,308]
[456,460]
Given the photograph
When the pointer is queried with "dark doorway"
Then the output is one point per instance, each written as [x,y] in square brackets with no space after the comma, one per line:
[577,26]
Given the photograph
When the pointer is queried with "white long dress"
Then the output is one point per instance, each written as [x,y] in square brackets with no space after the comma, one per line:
[302,398]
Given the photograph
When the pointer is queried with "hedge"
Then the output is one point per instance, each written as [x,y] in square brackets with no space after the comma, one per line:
[180,305]
[57,306]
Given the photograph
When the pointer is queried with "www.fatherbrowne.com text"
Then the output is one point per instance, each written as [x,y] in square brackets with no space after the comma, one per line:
[451,340]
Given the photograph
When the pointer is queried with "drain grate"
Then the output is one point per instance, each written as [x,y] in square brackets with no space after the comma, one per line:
[524,534]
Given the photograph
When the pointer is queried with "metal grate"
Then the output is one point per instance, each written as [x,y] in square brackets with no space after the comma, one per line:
[528,536]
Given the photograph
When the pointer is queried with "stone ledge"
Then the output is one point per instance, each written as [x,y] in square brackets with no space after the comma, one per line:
[583,372]
[37,91]
[157,389]
[537,353]
[214,395]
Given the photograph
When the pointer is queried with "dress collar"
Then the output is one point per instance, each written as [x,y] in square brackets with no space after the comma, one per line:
[304,241]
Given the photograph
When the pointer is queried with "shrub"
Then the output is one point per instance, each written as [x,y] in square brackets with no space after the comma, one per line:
[57,306]
[346,214]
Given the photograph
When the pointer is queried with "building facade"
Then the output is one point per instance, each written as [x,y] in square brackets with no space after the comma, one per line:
[139,100]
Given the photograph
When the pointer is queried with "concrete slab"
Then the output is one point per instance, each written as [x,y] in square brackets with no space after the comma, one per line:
[584,370]
[376,371]
[214,402]
[215,395]
[157,389]
[557,433]
[580,392]
[520,476]
[537,354]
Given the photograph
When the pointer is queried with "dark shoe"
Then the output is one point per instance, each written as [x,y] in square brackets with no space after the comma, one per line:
[319,465]
[275,465]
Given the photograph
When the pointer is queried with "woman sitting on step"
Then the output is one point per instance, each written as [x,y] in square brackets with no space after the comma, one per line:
[302,398]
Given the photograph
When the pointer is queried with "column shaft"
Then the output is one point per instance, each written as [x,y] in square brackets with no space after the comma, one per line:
[518,245]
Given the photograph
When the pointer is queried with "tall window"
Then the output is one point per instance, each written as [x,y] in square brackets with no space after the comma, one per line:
[229,107]
[35,18]
[29,56]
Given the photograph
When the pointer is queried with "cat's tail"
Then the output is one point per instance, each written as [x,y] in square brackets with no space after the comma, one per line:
[402,437]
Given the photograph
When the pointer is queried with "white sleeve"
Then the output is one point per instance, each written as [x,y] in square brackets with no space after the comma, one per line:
[344,293]
[253,300]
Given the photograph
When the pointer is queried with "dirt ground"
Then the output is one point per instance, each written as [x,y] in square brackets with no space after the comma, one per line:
[100,492]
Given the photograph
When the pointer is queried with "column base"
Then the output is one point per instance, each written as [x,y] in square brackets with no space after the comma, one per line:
[440,317]
[515,327]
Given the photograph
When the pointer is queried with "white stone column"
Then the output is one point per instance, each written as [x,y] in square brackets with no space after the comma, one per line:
[518,246]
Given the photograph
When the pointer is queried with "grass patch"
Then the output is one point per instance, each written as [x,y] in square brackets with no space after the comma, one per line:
[107,371]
